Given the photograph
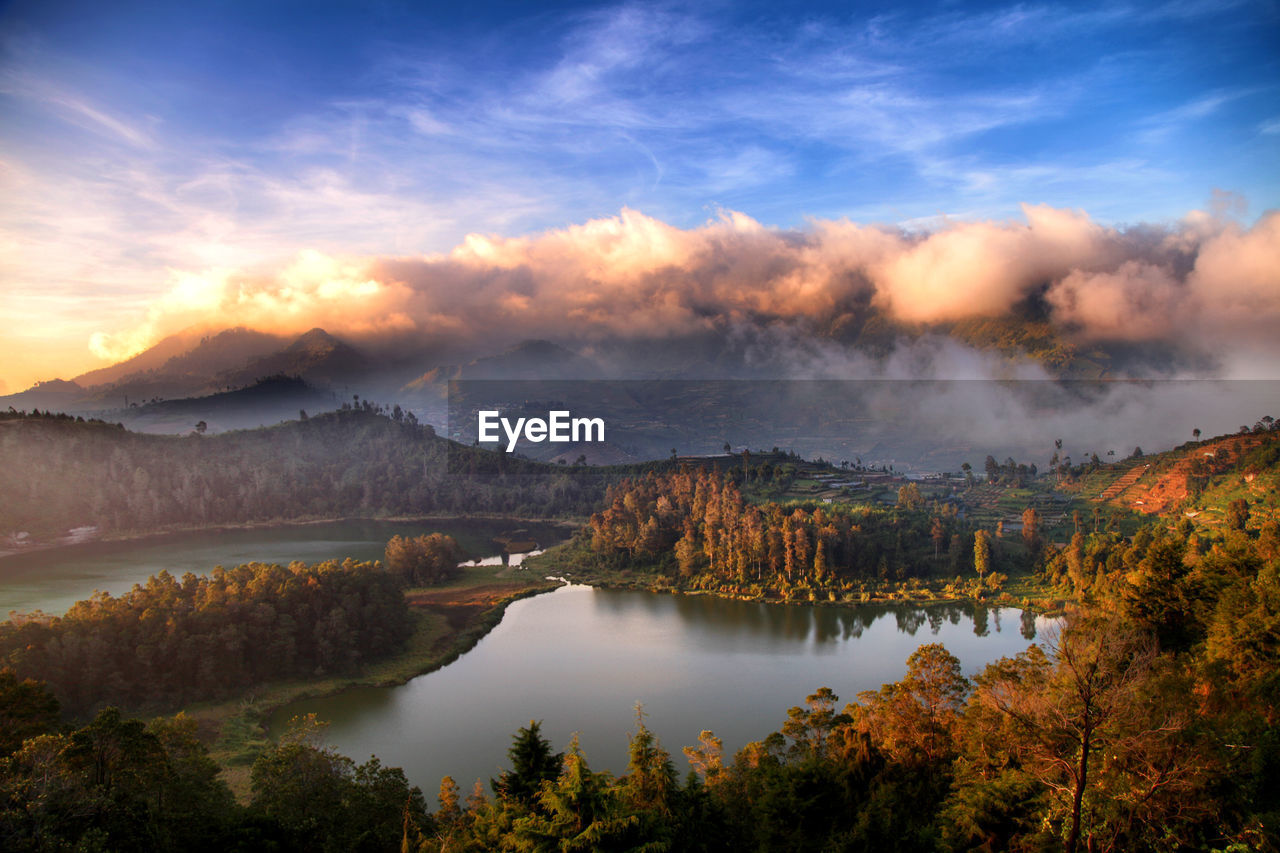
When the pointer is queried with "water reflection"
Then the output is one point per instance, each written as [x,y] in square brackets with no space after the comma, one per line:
[578,659]
[1028,625]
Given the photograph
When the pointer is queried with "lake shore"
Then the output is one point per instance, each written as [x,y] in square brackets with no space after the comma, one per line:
[452,618]
[168,533]
[450,621]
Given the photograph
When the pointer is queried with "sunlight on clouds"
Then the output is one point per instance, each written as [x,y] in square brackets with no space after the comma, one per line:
[312,290]
[1207,282]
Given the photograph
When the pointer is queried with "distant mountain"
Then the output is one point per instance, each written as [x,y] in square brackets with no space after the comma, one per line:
[149,359]
[315,356]
[56,394]
[217,377]
[225,351]
[532,359]
[193,372]
[266,402]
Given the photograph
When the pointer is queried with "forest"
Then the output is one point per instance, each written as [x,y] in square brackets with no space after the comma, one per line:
[1105,740]
[695,527]
[171,642]
[62,472]
[1147,721]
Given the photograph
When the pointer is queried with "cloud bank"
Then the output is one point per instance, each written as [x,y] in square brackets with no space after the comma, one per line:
[1206,284]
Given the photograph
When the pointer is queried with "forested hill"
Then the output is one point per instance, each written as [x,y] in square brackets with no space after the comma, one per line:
[62,473]
[1198,480]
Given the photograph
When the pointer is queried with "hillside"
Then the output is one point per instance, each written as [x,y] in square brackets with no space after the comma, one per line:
[1197,479]
[63,474]
[268,401]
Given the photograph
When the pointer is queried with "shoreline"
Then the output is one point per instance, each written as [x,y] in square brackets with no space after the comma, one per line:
[399,670]
[239,728]
[129,538]
[1057,603]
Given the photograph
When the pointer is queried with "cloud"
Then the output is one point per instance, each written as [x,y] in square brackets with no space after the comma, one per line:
[313,290]
[1205,284]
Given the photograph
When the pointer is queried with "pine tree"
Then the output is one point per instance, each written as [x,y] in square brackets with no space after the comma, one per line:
[532,763]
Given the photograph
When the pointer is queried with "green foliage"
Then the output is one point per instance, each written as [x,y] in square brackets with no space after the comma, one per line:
[27,709]
[323,801]
[695,527]
[532,763]
[1155,728]
[115,784]
[61,473]
[424,560]
[171,642]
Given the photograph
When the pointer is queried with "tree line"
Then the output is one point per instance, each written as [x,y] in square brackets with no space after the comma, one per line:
[1093,745]
[169,642]
[1148,721]
[60,473]
[1103,741]
[695,526]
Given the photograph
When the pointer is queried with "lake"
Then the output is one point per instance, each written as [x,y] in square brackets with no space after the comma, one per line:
[579,659]
[53,579]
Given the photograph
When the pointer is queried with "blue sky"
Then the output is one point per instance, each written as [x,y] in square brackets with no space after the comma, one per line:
[136,139]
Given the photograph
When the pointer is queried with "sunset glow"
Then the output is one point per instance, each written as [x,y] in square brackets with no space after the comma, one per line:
[632,168]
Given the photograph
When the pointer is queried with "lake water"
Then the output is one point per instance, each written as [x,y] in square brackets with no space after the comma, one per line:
[579,659]
[54,579]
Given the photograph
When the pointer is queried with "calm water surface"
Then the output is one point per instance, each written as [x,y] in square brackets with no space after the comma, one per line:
[54,579]
[579,659]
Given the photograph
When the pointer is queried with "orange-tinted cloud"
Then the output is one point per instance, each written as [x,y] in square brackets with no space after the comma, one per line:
[1204,281]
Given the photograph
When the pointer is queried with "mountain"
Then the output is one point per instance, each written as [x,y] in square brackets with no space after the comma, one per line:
[225,351]
[231,379]
[268,401]
[193,372]
[1198,479]
[315,356]
[55,394]
[532,359]
[149,359]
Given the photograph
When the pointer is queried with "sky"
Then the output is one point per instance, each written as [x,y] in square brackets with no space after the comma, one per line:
[152,152]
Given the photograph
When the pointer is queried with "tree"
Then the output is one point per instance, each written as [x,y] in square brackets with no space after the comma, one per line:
[650,786]
[325,802]
[27,709]
[1156,594]
[707,758]
[426,559]
[532,763]
[687,554]
[1099,726]
[981,552]
[1195,433]
[201,426]
[913,720]
[1238,514]
[1031,529]
[909,497]
[576,812]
